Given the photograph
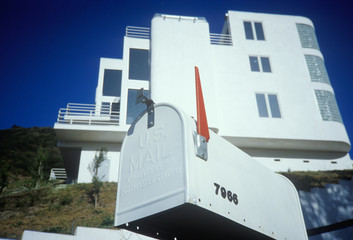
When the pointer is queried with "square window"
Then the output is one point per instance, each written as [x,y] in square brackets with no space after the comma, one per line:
[265,102]
[255,66]
[250,34]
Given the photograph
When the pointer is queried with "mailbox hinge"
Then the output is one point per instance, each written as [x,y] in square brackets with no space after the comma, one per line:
[200,146]
[141,98]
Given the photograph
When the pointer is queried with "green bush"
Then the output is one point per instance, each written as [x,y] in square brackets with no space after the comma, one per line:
[108,221]
[66,199]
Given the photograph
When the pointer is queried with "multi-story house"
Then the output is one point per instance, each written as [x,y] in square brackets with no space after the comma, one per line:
[265,86]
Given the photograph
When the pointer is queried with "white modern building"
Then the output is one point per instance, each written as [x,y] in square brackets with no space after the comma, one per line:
[264,81]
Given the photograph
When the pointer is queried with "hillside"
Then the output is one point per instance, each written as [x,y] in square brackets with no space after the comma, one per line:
[57,210]
[305,181]
[19,150]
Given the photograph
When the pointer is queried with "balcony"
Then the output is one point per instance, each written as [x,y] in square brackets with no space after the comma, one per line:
[221,39]
[138,32]
[145,33]
[88,114]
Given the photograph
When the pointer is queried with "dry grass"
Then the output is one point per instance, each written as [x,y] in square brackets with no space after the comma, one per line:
[306,180]
[55,210]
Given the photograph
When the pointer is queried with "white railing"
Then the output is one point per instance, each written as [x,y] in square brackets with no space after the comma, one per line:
[221,39]
[145,33]
[88,114]
[138,32]
[58,173]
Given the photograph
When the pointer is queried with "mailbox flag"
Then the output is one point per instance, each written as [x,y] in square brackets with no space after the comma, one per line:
[202,126]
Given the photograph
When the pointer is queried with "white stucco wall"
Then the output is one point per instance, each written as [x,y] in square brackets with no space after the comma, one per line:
[85,233]
[109,169]
[229,86]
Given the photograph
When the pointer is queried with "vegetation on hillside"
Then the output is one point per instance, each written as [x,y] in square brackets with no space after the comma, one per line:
[27,155]
[29,201]
[307,180]
[97,184]
[57,210]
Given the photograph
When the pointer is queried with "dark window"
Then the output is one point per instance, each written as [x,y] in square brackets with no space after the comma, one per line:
[274,106]
[248,30]
[133,109]
[139,68]
[261,105]
[115,110]
[259,31]
[112,82]
[254,64]
[105,108]
[265,62]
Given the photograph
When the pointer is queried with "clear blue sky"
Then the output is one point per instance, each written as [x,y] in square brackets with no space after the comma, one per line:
[50,49]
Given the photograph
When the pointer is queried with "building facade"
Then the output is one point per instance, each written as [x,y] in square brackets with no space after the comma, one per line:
[264,81]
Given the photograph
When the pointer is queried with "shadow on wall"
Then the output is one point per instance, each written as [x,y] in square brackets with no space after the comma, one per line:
[325,206]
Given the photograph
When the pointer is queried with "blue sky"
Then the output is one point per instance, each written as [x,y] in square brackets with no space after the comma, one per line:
[50,49]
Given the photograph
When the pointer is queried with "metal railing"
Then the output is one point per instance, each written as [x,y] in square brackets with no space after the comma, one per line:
[58,173]
[221,39]
[145,33]
[138,32]
[88,114]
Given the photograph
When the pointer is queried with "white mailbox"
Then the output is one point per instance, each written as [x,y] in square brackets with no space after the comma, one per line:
[166,191]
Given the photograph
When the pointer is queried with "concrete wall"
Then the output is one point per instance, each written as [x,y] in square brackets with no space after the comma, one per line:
[109,169]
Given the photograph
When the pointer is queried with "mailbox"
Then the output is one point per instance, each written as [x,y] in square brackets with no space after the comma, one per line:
[168,190]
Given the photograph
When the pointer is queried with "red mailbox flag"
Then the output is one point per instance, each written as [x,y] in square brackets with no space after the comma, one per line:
[202,126]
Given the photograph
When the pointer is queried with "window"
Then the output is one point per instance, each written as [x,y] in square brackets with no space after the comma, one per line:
[133,109]
[249,33]
[259,31]
[328,106]
[265,65]
[317,69]
[139,68]
[307,36]
[115,110]
[248,30]
[105,108]
[265,102]
[112,82]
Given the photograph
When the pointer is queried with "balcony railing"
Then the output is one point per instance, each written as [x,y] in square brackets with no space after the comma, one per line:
[138,32]
[88,114]
[221,39]
[145,33]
